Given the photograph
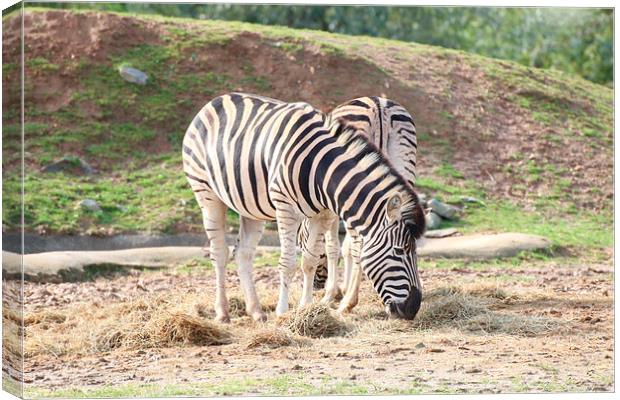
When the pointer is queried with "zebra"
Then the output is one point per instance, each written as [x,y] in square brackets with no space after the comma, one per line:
[269,160]
[389,126]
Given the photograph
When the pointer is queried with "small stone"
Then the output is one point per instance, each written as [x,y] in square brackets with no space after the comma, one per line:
[473,371]
[420,345]
[69,164]
[442,209]
[467,199]
[436,350]
[432,221]
[133,75]
[90,205]
[441,233]
[423,198]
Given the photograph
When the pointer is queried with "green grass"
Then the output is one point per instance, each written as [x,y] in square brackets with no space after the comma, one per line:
[291,385]
[152,199]
[284,385]
[587,229]
[149,193]
[41,64]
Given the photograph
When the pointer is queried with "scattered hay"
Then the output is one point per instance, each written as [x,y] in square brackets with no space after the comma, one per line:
[180,328]
[44,317]
[511,324]
[478,290]
[273,338]
[236,307]
[448,308]
[11,335]
[203,311]
[148,328]
[314,320]
[490,291]
[453,306]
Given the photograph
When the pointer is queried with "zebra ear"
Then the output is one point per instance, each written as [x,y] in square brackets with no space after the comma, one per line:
[415,221]
[393,207]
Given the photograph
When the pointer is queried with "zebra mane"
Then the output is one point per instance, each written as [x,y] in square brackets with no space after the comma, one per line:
[412,213]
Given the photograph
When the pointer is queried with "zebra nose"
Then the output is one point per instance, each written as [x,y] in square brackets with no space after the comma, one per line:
[410,307]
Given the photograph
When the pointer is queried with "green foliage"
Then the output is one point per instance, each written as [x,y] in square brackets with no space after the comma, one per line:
[587,229]
[574,40]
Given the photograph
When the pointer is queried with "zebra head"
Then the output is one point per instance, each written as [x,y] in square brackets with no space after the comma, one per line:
[388,256]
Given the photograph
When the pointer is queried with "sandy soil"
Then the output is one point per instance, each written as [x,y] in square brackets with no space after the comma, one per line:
[574,352]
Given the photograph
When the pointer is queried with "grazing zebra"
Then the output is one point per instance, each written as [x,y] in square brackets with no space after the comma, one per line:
[388,125]
[270,160]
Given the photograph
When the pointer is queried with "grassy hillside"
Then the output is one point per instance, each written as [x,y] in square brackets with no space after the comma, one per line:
[536,145]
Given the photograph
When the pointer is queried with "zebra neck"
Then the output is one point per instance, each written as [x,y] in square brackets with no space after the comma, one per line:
[358,193]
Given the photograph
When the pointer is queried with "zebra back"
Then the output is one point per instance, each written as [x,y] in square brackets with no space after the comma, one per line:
[386,124]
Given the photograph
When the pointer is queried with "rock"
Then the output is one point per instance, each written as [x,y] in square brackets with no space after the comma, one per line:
[441,233]
[467,199]
[68,266]
[63,266]
[133,75]
[69,164]
[481,247]
[90,205]
[442,209]
[432,221]
[423,199]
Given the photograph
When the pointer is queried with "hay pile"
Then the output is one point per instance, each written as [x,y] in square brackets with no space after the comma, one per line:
[443,309]
[470,309]
[314,320]
[148,323]
[273,338]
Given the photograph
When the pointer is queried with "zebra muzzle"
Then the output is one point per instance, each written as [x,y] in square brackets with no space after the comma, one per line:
[408,308]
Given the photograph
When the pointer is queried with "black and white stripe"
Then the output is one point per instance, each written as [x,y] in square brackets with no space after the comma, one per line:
[270,160]
[390,127]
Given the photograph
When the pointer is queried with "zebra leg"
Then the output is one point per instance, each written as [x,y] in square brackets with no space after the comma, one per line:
[348,263]
[214,220]
[309,263]
[351,298]
[332,247]
[250,232]
[288,221]
[318,231]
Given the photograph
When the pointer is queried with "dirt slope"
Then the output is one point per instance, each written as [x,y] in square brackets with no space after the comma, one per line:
[519,133]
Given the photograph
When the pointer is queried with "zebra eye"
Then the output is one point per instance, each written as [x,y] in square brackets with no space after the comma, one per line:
[399,251]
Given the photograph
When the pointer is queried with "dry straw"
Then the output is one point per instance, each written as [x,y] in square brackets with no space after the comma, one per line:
[274,338]
[148,323]
[314,320]
[470,309]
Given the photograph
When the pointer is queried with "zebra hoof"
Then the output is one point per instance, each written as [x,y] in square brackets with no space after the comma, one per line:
[344,309]
[224,319]
[259,316]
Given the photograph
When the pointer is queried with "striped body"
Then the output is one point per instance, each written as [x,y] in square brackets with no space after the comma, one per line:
[270,160]
[390,127]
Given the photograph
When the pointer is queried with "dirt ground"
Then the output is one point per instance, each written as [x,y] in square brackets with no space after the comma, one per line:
[550,329]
